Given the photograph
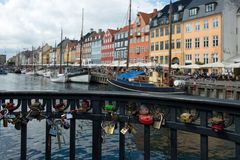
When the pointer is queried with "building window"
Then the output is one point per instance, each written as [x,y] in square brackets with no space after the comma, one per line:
[161,59]
[157,32]
[173,44]
[205,24]
[215,41]
[193,12]
[214,57]
[188,57]
[152,58]
[161,31]
[215,22]
[166,31]
[173,29]
[188,43]
[175,17]
[161,45]
[152,46]
[205,41]
[166,44]
[196,58]
[188,28]
[152,34]
[156,59]
[146,38]
[205,58]
[197,26]
[178,43]
[166,59]
[156,46]
[197,43]
[210,7]
[178,28]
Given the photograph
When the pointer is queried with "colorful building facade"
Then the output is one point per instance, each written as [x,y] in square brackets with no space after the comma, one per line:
[108,47]
[160,32]
[139,42]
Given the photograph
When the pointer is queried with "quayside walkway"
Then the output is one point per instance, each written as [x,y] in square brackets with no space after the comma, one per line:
[203,116]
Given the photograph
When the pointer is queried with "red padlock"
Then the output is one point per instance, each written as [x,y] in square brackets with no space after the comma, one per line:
[218,128]
[146,119]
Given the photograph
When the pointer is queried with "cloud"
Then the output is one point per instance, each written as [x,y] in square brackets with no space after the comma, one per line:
[31,22]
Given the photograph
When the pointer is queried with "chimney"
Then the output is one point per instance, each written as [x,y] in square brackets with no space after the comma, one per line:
[91,30]
[155,10]
[99,30]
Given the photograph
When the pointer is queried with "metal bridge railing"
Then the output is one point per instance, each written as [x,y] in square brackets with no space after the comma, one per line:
[203,116]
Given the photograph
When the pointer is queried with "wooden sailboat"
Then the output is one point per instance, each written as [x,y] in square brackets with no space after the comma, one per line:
[138,81]
[58,76]
[82,75]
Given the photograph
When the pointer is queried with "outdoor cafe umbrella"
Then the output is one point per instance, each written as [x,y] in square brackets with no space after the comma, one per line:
[191,66]
[213,65]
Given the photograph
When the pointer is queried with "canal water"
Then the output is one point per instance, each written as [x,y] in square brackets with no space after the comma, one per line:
[188,144]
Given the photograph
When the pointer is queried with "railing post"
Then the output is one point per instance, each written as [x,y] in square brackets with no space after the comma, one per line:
[47,135]
[72,132]
[121,136]
[146,142]
[97,132]
[173,135]
[24,132]
[237,129]
[204,138]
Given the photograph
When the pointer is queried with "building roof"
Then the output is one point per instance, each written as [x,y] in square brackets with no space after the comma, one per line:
[147,16]
[196,3]
[112,31]
[175,5]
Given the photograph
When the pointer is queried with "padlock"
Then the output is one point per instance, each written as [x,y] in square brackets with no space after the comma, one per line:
[218,128]
[143,110]
[186,118]
[158,120]
[59,107]
[5,122]
[146,119]
[124,129]
[53,131]
[217,124]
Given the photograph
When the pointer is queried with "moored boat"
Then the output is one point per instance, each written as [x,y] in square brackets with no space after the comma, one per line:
[138,81]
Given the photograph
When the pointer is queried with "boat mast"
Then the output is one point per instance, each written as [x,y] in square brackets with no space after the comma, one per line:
[81,40]
[42,55]
[170,43]
[54,62]
[60,66]
[129,29]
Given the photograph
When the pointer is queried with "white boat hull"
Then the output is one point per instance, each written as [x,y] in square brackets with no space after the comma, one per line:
[80,78]
[60,78]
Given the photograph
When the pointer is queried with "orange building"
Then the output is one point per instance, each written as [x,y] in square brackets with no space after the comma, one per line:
[139,42]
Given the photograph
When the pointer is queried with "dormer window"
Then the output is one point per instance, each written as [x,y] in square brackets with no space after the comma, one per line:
[138,21]
[193,12]
[175,17]
[159,14]
[180,7]
[210,7]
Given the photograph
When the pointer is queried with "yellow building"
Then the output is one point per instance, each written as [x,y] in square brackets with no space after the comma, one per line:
[159,34]
[202,39]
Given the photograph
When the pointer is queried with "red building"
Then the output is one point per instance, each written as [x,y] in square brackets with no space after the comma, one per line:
[108,47]
[139,42]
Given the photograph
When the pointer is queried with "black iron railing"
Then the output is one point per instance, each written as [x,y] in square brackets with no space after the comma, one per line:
[199,112]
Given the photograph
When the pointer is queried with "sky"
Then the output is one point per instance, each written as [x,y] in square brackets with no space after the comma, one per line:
[27,23]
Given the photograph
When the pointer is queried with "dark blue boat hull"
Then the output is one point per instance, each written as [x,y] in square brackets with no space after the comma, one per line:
[143,87]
